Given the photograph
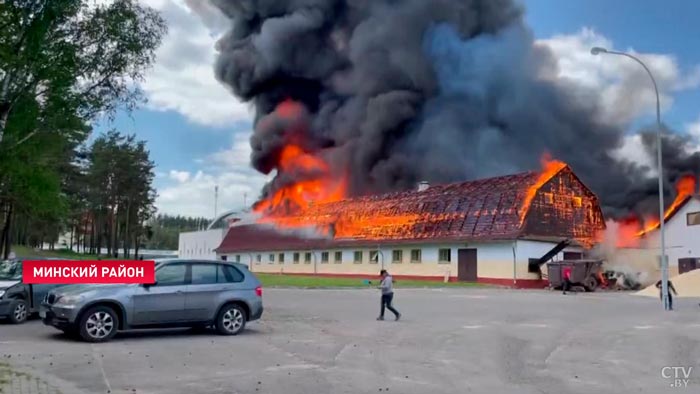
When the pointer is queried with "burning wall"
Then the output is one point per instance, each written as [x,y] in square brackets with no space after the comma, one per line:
[564,206]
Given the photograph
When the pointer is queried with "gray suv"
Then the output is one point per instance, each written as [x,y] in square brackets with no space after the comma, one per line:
[186,294]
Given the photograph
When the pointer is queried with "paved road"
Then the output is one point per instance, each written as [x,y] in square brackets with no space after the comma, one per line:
[449,341]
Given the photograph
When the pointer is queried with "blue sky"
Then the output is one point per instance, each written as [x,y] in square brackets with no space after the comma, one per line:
[197,132]
[647,26]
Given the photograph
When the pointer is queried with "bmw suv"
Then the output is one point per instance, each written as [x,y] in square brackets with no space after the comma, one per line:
[186,293]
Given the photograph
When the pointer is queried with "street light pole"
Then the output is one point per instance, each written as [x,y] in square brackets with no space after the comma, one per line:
[664,261]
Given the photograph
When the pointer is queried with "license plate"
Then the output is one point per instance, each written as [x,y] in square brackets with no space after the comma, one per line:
[42,314]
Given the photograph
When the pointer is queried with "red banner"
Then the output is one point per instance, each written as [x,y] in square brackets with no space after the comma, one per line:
[88,271]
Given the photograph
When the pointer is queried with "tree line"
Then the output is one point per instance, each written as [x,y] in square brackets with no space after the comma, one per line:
[64,64]
[164,230]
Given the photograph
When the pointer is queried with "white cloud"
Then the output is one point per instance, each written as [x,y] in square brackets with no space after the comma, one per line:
[180,176]
[694,129]
[230,169]
[624,87]
[633,150]
[182,79]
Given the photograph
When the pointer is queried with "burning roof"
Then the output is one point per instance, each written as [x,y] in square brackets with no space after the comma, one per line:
[551,204]
[632,231]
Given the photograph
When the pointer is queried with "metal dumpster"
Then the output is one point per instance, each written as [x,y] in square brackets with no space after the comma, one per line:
[584,273]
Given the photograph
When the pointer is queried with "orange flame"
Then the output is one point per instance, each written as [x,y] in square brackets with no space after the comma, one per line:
[628,233]
[319,184]
[686,186]
[314,180]
[550,168]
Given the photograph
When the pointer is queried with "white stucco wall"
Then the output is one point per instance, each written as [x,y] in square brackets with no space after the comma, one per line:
[494,260]
[682,241]
[200,244]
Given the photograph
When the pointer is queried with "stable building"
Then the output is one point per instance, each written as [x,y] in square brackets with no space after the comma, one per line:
[498,230]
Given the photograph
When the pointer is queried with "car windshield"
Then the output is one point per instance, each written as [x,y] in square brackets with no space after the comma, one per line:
[11,270]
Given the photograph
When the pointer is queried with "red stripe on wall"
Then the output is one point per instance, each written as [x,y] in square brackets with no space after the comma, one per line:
[519,284]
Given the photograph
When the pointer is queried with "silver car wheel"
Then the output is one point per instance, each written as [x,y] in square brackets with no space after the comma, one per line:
[20,312]
[233,320]
[99,325]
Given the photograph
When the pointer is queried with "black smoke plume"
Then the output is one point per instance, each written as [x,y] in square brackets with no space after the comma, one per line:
[400,91]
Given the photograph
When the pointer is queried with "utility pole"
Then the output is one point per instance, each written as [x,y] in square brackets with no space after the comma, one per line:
[216,200]
[245,199]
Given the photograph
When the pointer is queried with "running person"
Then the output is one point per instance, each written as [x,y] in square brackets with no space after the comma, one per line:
[387,287]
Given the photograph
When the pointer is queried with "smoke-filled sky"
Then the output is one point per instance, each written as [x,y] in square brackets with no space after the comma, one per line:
[396,92]
[463,95]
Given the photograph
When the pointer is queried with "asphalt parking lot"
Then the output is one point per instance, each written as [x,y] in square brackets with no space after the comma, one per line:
[327,341]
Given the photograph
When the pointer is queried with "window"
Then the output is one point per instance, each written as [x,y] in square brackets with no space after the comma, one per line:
[238,258]
[693,218]
[203,274]
[272,257]
[324,257]
[444,255]
[577,202]
[171,275]
[258,258]
[415,255]
[307,258]
[549,198]
[224,258]
[295,258]
[338,257]
[228,274]
[281,258]
[374,257]
[396,256]
[357,257]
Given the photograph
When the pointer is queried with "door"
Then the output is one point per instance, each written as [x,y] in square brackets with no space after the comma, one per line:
[163,302]
[466,265]
[210,285]
[687,264]
[203,292]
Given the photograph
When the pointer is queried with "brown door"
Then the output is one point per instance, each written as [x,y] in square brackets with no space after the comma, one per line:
[466,265]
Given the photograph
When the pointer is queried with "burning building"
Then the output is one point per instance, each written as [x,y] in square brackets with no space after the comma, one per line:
[357,101]
[637,243]
[487,230]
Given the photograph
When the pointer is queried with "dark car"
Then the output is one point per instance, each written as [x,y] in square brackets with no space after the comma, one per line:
[186,293]
[18,300]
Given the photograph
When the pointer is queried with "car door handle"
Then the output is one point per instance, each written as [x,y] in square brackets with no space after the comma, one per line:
[179,292]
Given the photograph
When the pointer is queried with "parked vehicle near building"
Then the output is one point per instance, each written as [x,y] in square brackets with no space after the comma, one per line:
[585,274]
[186,293]
[18,301]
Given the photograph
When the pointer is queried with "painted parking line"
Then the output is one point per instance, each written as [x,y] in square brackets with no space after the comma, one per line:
[534,325]
[473,326]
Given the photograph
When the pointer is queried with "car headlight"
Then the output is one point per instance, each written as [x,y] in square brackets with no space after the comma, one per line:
[68,301]
[2,293]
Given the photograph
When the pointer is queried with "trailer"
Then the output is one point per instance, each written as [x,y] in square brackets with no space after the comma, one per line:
[585,274]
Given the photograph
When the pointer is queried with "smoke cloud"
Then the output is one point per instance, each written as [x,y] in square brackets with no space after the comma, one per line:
[397,91]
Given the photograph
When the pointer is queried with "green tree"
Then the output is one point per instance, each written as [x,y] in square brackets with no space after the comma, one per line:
[76,56]
[166,229]
[120,195]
